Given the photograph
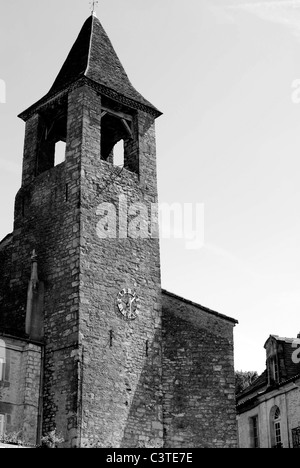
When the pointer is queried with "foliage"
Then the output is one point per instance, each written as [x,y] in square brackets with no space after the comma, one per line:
[151,443]
[51,440]
[13,438]
[244,379]
[94,442]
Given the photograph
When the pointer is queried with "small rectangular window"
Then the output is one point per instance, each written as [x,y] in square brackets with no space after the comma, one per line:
[296,437]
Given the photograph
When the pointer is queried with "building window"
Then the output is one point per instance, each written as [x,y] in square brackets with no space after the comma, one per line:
[119,141]
[2,360]
[277,427]
[118,154]
[2,421]
[4,363]
[60,152]
[52,137]
[254,432]
[2,369]
[296,437]
[275,420]
[275,370]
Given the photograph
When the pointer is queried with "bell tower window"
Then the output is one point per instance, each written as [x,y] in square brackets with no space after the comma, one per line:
[118,139]
[52,137]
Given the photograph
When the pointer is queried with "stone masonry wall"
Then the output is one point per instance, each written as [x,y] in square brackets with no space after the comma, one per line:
[48,227]
[121,393]
[20,389]
[56,214]
[47,214]
[198,377]
[108,380]
[8,322]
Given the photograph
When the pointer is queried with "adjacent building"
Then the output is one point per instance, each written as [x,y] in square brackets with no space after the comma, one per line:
[268,411]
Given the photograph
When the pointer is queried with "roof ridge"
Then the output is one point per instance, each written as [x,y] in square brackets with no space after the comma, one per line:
[199,306]
[89,53]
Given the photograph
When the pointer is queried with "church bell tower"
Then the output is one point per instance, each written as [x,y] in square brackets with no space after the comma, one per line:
[90,221]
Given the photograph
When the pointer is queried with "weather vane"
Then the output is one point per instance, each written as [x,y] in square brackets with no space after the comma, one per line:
[94,4]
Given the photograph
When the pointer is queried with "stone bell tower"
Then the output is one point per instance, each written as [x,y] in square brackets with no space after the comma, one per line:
[101,286]
[90,345]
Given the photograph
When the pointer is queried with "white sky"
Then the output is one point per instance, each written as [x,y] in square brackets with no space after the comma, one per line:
[221,71]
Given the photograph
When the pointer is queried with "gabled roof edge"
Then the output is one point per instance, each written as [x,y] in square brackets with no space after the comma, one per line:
[104,90]
[199,306]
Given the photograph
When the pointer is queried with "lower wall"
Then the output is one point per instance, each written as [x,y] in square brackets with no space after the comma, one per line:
[198,378]
[20,388]
[188,401]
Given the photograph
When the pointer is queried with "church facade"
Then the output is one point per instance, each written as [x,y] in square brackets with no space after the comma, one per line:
[90,345]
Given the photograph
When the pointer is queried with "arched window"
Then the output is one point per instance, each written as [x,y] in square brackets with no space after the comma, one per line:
[277,427]
[275,423]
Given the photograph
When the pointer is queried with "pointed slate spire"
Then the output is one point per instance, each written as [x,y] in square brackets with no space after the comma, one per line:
[76,63]
[94,57]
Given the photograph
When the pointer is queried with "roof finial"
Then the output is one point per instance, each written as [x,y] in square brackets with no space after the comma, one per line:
[33,256]
[94,4]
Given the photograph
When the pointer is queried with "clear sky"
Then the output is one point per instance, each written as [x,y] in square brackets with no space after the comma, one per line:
[221,71]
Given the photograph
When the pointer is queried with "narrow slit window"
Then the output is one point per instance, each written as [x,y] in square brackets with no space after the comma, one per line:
[60,152]
[118,159]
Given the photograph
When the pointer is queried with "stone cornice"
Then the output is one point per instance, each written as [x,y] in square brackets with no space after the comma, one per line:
[48,100]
